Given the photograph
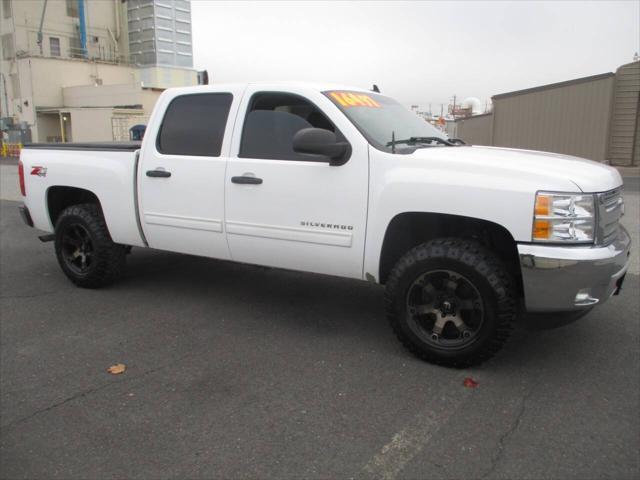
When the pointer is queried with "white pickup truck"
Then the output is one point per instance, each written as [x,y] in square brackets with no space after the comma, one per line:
[347,182]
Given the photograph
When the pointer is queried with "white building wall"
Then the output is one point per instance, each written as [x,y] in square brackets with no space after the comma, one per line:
[104,20]
[102,95]
[90,124]
[97,124]
[32,82]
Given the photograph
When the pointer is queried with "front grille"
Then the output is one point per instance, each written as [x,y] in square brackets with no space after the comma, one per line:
[610,209]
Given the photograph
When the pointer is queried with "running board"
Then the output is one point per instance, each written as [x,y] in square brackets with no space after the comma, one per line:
[47,238]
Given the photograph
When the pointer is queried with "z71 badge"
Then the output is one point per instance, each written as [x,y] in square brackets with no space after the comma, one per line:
[39,171]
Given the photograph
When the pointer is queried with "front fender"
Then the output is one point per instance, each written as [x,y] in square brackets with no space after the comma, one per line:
[402,183]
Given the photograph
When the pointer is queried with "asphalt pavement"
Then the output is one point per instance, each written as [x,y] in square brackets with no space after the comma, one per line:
[239,371]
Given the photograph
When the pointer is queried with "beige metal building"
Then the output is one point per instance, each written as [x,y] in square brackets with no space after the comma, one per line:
[594,117]
[80,70]
[624,138]
[476,129]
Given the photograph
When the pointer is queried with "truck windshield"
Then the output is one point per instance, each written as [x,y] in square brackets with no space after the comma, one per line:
[379,118]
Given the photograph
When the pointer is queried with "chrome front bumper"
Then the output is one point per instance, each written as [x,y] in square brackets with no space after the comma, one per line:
[558,278]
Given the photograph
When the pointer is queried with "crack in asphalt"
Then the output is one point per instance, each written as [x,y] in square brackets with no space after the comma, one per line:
[93,390]
[515,424]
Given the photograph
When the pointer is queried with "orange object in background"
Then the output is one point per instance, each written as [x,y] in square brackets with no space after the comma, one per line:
[11,149]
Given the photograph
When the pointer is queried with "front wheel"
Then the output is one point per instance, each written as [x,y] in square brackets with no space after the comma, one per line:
[451,302]
[85,251]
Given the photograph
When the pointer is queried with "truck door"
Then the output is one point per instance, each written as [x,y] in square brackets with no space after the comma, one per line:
[181,173]
[288,209]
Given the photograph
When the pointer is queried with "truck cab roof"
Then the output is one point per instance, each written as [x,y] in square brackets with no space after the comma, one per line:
[285,85]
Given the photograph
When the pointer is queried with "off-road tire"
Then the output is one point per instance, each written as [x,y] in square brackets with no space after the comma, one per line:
[108,257]
[486,273]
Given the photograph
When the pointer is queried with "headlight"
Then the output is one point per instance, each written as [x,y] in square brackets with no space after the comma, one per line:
[564,217]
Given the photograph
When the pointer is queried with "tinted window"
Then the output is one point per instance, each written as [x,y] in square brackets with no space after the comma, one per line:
[194,125]
[273,120]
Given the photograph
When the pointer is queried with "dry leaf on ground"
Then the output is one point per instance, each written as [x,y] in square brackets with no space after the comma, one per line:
[117,369]
[470,383]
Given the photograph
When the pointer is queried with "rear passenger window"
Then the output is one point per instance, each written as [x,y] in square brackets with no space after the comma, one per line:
[194,125]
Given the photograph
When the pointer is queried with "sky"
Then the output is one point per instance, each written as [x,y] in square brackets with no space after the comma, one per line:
[417,52]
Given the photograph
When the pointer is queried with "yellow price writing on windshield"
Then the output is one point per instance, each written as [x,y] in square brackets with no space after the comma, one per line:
[352,99]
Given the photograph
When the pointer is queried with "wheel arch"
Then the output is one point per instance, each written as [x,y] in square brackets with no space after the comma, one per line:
[60,197]
[410,229]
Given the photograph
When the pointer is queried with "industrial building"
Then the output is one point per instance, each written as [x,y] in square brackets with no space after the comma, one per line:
[595,117]
[88,70]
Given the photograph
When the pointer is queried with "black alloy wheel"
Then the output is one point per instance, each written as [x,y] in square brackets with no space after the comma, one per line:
[444,309]
[77,248]
[451,301]
[86,253]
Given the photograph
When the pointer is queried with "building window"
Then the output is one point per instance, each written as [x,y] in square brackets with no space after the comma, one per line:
[7,46]
[72,8]
[54,46]
[15,85]
[6,8]
[74,47]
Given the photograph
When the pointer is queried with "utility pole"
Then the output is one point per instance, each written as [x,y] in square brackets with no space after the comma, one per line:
[6,98]
[39,37]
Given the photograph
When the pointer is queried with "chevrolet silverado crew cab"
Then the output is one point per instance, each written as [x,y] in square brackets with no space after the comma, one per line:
[346,182]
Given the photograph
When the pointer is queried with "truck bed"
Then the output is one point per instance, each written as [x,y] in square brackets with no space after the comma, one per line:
[108,170]
[90,146]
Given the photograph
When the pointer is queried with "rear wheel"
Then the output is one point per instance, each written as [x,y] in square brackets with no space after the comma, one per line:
[85,251]
[451,302]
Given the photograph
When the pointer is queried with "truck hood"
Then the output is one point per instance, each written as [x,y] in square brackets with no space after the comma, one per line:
[548,170]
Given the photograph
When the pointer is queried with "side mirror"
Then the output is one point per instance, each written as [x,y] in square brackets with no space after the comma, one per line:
[319,141]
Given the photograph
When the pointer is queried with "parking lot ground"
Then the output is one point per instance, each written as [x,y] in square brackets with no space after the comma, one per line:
[239,371]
